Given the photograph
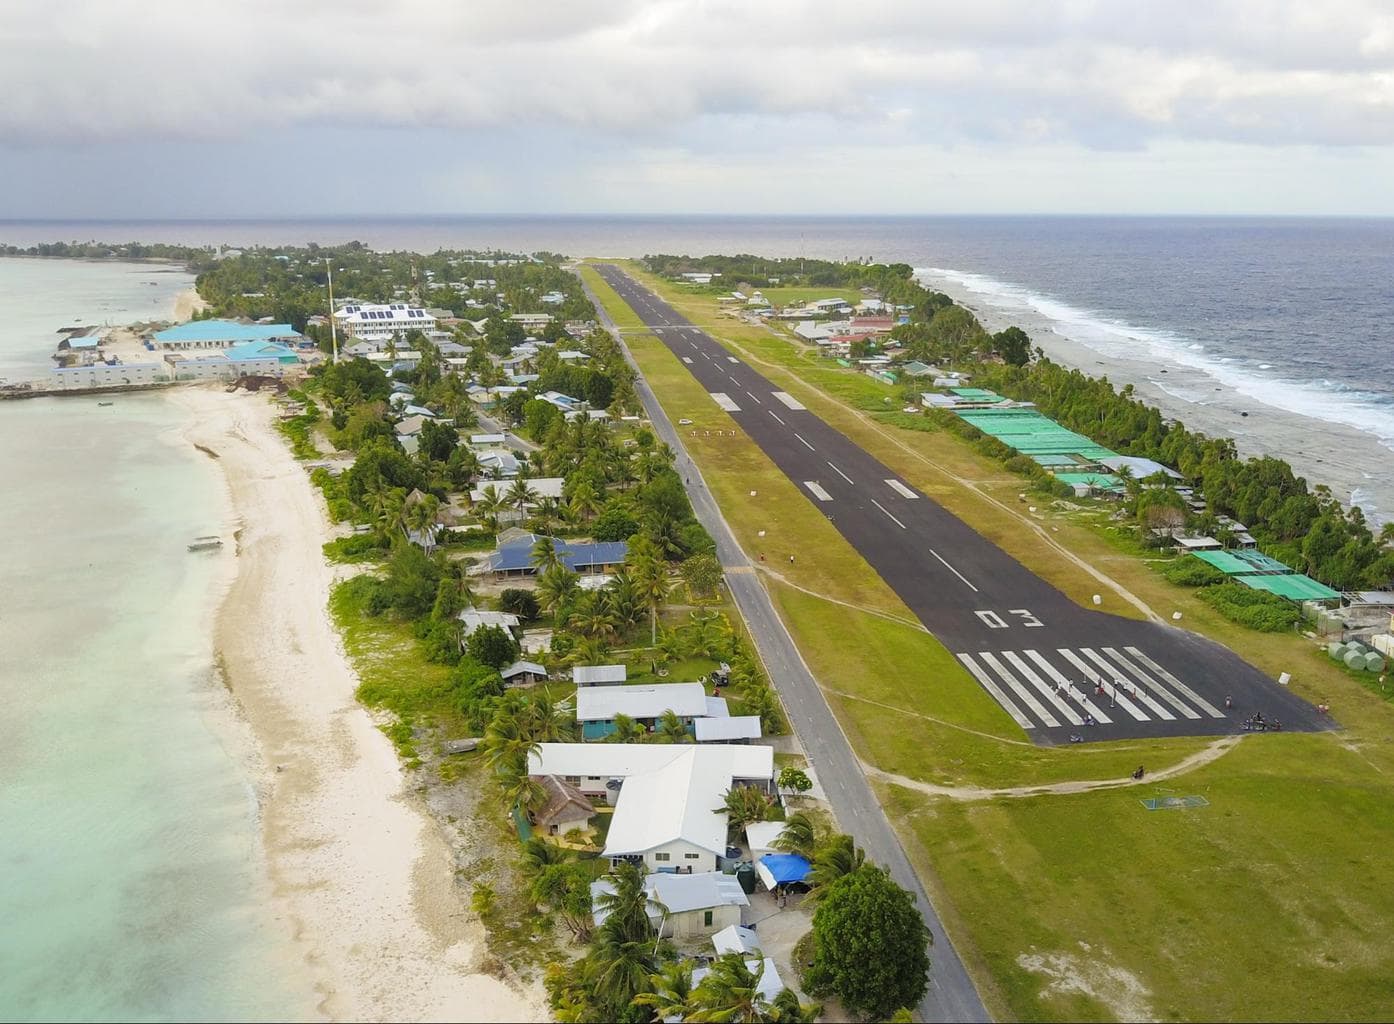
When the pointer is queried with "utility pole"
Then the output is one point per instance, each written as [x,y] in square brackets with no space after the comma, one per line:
[333,332]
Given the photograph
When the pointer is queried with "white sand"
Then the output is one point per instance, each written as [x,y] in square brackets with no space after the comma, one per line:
[365,878]
[187,303]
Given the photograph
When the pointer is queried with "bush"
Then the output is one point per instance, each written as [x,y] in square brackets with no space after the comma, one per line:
[492,645]
[355,547]
[522,603]
[1192,572]
[1256,609]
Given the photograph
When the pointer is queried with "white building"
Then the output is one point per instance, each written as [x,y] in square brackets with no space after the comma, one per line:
[380,322]
[599,675]
[684,906]
[668,814]
[106,375]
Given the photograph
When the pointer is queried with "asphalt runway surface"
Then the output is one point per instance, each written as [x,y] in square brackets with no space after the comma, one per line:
[1059,670]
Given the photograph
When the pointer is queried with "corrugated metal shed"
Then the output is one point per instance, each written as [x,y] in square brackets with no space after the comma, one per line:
[1293,586]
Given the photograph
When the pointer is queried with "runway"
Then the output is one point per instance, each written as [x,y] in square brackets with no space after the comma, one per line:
[1055,668]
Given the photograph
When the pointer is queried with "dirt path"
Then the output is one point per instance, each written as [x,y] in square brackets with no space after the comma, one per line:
[1213,752]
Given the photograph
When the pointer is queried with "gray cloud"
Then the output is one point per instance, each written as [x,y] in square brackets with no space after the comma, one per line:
[1104,75]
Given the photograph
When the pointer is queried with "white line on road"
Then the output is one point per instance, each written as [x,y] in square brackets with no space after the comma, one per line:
[776,417]
[996,691]
[841,473]
[1150,683]
[725,402]
[1078,694]
[1181,687]
[901,489]
[889,516]
[818,491]
[1026,696]
[754,399]
[953,570]
[1044,688]
[732,359]
[805,443]
[687,360]
[789,400]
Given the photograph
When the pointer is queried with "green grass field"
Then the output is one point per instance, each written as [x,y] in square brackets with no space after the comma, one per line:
[1274,901]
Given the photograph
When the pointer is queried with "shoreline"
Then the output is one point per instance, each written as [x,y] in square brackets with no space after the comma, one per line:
[1344,458]
[359,873]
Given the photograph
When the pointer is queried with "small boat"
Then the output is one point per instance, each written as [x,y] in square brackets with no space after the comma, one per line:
[206,544]
[105,403]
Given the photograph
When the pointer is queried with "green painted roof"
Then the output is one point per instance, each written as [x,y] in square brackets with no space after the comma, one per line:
[1054,460]
[1101,480]
[980,394]
[1225,561]
[1293,586]
[1262,562]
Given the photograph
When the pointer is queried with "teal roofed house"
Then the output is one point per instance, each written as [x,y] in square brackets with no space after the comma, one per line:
[223,334]
[248,351]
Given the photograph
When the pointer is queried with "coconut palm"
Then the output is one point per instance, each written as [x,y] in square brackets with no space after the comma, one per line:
[490,505]
[671,646]
[539,854]
[800,836]
[671,728]
[670,990]
[556,587]
[421,519]
[626,906]
[585,501]
[618,970]
[650,576]
[626,730]
[730,992]
[744,805]
[591,619]
[522,790]
[521,494]
[589,650]
[545,556]
[837,855]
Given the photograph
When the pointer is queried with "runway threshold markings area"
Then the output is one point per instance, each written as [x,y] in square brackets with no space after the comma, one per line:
[990,685]
[789,400]
[818,491]
[724,400]
[901,489]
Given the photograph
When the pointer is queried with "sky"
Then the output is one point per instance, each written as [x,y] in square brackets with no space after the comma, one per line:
[304,108]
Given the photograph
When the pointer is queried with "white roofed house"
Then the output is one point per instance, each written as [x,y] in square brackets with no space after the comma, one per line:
[599,675]
[683,906]
[597,706]
[478,618]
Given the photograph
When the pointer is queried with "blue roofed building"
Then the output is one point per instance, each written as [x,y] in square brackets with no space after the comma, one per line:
[514,555]
[251,351]
[224,334]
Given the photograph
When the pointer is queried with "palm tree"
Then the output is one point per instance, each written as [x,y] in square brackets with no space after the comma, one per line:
[626,907]
[539,854]
[489,507]
[627,730]
[838,855]
[591,619]
[619,970]
[421,518]
[730,992]
[545,556]
[671,646]
[521,494]
[556,587]
[670,990]
[589,650]
[800,836]
[650,577]
[787,1008]
[671,728]
[522,790]
[743,805]
[585,502]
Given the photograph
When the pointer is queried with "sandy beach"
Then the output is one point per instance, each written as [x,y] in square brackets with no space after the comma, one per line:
[1353,463]
[362,877]
[187,303]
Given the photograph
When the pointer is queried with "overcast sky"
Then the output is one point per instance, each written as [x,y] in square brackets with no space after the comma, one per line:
[225,108]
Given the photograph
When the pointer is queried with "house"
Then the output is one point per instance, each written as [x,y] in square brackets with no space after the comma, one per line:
[769,986]
[501,463]
[565,807]
[477,440]
[523,673]
[410,426]
[727,729]
[478,618]
[541,487]
[563,402]
[253,351]
[515,557]
[685,906]
[598,675]
[222,334]
[736,939]
[598,706]
[760,836]
[382,322]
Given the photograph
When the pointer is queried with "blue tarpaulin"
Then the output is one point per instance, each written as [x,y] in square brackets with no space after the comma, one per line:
[782,868]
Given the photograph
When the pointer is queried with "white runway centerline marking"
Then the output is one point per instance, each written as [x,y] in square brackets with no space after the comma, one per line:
[889,516]
[776,417]
[951,568]
[901,489]
[805,443]
[754,399]
[725,402]
[789,400]
[818,491]
[841,473]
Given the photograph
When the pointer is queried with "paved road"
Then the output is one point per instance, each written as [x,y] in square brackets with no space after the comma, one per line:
[951,995]
[1057,669]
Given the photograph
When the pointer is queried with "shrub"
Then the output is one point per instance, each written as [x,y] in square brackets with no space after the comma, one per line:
[1256,609]
[1192,572]
[355,547]
[522,603]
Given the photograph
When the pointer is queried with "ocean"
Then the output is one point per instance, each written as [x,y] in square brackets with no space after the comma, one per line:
[133,887]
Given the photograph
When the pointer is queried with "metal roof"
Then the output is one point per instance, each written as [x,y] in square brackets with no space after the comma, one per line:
[588,675]
[225,330]
[603,703]
[737,727]
[518,555]
[1293,586]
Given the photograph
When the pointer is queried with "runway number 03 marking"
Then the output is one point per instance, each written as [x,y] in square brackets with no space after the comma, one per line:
[994,621]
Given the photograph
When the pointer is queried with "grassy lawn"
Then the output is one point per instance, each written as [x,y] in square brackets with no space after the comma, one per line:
[1273,901]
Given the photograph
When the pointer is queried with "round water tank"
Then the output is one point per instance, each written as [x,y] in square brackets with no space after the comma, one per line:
[1354,659]
[1374,662]
[1336,651]
[1356,647]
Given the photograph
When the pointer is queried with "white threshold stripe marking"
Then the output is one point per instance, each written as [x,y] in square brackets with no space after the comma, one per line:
[1027,697]
[901,489]
[776,417]
[732,359]
[1151,684]
[1094,677]
[1181,687]
[754,399]
[788,399]
[996,691]
[952,569]
[1114,678]
[725,402]
[805,443]
[888,515]
[841,473]
[818,491]
[1045,690]
[687,360]
[1072,689]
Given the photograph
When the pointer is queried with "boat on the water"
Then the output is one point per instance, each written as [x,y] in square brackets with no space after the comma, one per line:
[104,403]
[206,544]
